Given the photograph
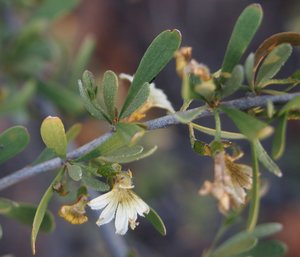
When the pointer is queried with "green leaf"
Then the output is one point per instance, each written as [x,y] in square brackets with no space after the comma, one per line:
[156,221]
[18,99]
[110,91]
[267,229]
[243,32]
[125,135]
[24,213]
[130,133]
[234,82]
[235,245]
[140,98]
[272,248]
[156,57]
[63,97]
[188,116]
[251,127]
[273,63]
[266,160]
[82,58]
[293,104]
[13,141]
[270,43]
[128,154]
[52,9]
[88,91]
[249,66]
[278,145]
[95,184]
[41,210]
[74,172]
[54,136]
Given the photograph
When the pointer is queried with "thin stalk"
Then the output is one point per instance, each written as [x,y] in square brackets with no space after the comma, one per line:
[255,198]
[218,125]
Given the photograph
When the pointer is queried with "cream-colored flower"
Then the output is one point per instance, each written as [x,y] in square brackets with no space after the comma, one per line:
[157,98]
[230,182]
[122,203]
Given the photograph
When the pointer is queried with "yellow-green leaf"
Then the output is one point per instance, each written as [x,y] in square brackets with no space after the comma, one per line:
[54,136]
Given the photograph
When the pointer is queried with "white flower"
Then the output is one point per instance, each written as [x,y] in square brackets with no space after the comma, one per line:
[122,203]
[157,98]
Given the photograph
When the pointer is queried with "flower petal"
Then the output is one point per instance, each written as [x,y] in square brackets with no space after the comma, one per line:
[158,98]
[121,222]
[140,206]
[108,213]
[100,201]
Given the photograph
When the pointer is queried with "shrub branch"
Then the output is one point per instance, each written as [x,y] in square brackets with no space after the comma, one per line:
[163,122]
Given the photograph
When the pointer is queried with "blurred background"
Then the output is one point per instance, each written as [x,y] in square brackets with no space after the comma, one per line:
[44,47]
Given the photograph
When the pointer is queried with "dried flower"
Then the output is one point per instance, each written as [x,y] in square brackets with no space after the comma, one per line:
[75,213]
[122,203]
[230,182]
[183,57]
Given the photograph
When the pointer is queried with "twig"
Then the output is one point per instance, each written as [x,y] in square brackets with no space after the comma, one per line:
[163,122]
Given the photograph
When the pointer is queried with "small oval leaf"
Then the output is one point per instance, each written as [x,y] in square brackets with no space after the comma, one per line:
[110,90]
[12,142]
[54,136]
[235,245]
[95,184]
[267,229]
[74,172]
